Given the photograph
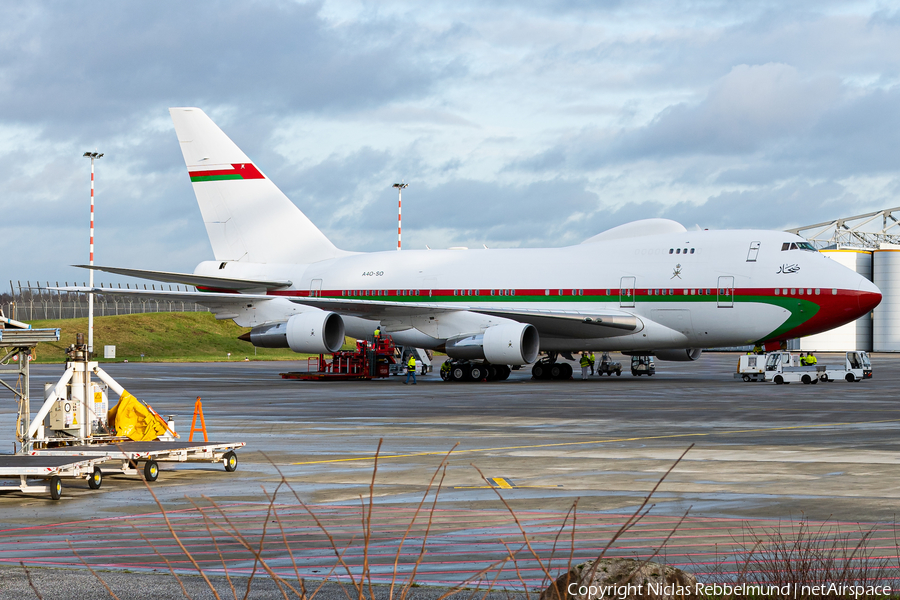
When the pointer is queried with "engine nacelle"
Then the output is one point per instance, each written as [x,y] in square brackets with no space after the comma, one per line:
[682,354]
[316,332]
[512,344]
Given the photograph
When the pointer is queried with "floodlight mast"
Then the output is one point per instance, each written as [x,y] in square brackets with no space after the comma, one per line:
[400,187]
[93,156]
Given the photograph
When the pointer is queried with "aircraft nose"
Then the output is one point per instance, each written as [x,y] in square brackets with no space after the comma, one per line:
[869,295]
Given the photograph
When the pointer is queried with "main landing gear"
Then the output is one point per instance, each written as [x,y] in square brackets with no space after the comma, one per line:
[548,368]
[466,370]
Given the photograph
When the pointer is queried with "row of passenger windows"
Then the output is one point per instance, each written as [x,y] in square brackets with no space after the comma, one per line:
[609,292]
[801,291]
[680,251]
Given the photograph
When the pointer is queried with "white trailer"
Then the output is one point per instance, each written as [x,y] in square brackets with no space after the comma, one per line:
[751,367]
[133,458]
[49,470]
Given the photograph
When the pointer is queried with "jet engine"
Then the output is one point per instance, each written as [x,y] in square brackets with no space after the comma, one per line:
[512,344]
[316,332]
[682,354]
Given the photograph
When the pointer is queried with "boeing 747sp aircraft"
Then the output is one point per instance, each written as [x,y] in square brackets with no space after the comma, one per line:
[654,288]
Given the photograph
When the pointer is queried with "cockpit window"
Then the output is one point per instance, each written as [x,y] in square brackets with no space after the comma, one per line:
[798,246]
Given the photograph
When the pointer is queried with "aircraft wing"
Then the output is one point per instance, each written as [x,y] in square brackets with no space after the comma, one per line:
[552,323]
[204,298]
[227,283]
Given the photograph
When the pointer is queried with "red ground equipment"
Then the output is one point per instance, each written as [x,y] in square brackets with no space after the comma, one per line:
[369,361]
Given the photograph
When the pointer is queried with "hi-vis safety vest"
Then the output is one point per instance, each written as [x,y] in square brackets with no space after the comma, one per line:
[411,365]
[585,361]
[378,332]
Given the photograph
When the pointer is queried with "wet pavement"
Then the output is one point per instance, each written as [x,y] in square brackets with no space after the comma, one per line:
[763,455]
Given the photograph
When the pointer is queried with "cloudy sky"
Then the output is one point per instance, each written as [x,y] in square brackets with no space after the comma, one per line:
[515,123]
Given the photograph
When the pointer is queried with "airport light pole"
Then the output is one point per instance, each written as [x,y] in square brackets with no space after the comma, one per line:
[400,187]
[93,156]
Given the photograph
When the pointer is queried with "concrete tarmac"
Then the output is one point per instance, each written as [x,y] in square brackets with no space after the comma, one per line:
[762,454]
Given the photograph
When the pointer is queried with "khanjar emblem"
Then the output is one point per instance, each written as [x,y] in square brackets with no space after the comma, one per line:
[676,272]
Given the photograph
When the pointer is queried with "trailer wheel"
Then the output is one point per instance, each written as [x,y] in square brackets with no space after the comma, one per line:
[779,380]
[96,479]
[230,461]
[746,378]
[850,378]
[824,377]
[618,373]
[151,470]
[55,487]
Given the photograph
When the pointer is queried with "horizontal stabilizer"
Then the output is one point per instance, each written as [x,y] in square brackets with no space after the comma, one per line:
[224,283]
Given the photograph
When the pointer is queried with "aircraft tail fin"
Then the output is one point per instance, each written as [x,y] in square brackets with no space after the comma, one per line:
[247,217]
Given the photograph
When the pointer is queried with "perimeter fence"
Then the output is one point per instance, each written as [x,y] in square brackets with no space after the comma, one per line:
[32,302]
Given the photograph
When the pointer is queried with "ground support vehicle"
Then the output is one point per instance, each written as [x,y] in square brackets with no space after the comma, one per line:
[133,458]
[783,367]
[642,365]
[24,470]
[751,367]
[370,360]
[423,361]
[608,368]
[856,367]
[548,368]
[469,370]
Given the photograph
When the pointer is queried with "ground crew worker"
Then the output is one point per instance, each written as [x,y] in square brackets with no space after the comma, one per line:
[811,359]
[593,359]
[804,359]
[757,349]
[445,370]
[378,333]
[410,369]
[585,363]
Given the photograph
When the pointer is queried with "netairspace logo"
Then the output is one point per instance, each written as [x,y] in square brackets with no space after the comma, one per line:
[621,592]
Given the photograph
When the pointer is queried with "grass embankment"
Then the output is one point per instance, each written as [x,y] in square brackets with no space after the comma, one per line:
[160,337]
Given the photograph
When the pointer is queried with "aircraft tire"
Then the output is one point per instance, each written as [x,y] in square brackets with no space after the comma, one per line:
[556,371]
[503,372]
[458,373]
[567,371]
[477,372]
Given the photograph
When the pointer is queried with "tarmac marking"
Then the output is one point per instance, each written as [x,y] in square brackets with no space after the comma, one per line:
[591,442]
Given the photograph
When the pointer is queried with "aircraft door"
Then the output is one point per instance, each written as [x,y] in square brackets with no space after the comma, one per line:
[726,292]
[315,288]
[753,252]
[626,292]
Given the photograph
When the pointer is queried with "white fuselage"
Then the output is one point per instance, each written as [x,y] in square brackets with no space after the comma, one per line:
[696,289]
